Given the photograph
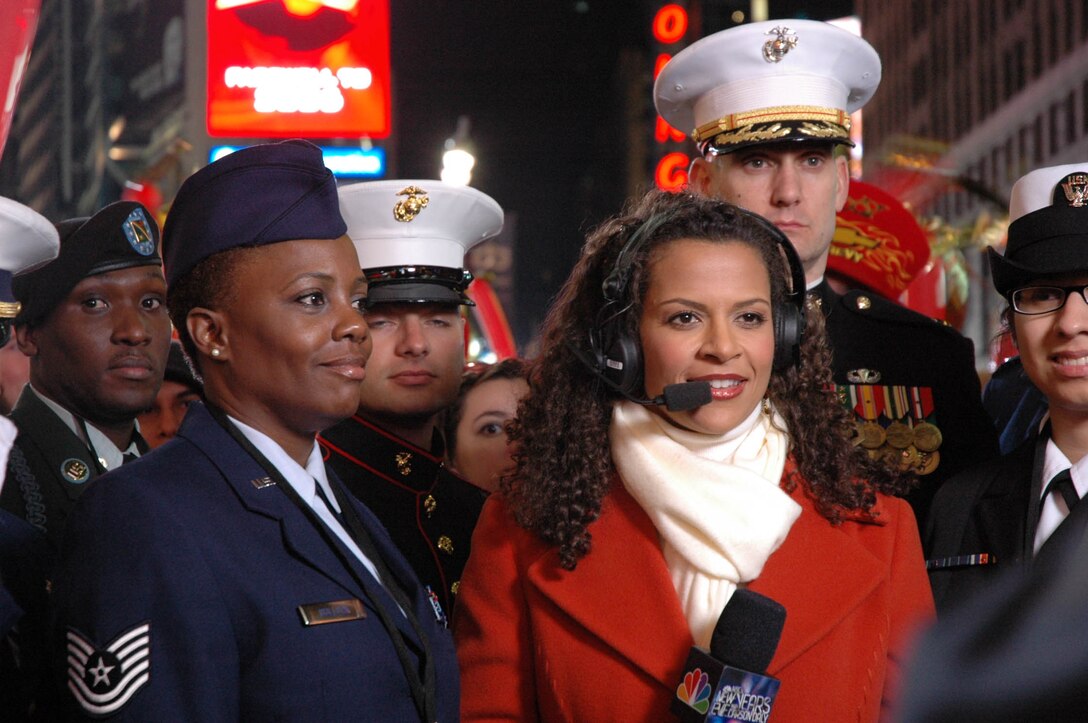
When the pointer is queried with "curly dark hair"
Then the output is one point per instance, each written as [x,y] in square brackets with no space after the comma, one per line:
[565,465]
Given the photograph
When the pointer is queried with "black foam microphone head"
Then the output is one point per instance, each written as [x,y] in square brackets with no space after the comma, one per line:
[748,631]
[687,396]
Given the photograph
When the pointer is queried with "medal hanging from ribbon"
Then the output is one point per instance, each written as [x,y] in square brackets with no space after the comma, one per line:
[897,407]
[927,437]
[868,405]
[897,451]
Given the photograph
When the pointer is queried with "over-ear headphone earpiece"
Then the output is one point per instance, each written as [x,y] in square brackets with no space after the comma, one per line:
[616,353]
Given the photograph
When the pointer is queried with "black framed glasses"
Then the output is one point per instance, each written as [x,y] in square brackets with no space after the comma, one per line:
[1044,299]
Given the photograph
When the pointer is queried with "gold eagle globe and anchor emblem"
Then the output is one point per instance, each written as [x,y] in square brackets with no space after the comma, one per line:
[408,208]
[774,50]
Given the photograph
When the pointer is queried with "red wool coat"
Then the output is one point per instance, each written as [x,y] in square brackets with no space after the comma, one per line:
[608,640]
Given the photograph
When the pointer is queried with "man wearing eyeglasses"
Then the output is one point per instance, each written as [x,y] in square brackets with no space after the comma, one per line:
[1016,509]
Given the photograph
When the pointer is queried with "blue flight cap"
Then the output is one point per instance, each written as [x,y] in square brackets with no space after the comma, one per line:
[259,195]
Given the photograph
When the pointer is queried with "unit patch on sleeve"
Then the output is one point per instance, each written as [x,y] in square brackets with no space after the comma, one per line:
[104,679]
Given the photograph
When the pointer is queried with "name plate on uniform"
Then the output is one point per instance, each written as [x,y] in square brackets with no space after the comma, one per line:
[336,611]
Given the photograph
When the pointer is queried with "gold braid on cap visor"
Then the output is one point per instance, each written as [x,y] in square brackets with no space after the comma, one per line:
[9,309]
[770,124]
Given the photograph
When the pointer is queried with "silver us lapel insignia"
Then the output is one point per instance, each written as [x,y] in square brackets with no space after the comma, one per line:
[103,679]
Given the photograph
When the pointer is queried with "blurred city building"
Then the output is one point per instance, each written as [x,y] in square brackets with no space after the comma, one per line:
[975,94]
[54,159]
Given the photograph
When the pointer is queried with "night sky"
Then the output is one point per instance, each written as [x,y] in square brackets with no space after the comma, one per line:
[538,79]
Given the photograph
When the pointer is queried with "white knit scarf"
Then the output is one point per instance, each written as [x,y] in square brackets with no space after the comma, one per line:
[715,501]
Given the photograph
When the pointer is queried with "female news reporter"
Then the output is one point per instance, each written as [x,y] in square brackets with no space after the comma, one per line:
[627,528]
[228,576]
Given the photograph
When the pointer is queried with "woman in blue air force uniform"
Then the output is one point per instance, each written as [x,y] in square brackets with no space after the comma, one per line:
[228,576]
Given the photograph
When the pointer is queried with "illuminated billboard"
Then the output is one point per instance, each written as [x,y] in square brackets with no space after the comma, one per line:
[290,68]
[343,162]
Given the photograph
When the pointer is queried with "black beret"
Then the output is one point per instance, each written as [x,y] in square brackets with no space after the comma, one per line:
[255,196]
[120,236]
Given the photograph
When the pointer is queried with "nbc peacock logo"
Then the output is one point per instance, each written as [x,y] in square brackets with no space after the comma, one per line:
[695,690]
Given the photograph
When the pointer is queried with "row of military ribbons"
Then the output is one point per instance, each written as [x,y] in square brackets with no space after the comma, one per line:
[896,423]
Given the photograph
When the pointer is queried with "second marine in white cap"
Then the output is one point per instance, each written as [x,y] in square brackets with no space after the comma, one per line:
[412,237]
[768,106]
[771,81]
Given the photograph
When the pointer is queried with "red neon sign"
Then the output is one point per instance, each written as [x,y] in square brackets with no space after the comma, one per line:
[18,20]
[663,132]
[670,24]
[287,68]
[672,172]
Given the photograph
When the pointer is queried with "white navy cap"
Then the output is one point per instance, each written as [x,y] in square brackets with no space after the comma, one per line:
[1039,188]
[27,241]
[1048,227]
[412,237]
[768,82]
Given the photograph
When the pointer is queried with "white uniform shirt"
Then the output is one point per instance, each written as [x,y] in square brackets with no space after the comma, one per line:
[303,481]
[1053,508]
[108,454]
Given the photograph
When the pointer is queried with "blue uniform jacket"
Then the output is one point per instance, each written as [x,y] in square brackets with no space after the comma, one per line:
[185,560]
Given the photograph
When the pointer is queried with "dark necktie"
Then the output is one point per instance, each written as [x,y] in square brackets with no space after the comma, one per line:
[128,457]
[1063,485]
[320,491]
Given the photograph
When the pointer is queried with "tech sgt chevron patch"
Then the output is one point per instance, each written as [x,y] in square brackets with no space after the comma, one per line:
[103,680]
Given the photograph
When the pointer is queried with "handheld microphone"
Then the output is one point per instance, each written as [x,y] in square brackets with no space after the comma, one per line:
[727,683]
[681,397]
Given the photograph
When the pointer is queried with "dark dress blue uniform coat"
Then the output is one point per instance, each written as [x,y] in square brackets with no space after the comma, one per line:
[190,542]
[48,469]
[1016,652]
[986,510]
[992,509]
[907,349]
[429,511]
[24,568]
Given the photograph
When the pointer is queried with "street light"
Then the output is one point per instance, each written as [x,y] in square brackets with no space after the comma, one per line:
[458,160]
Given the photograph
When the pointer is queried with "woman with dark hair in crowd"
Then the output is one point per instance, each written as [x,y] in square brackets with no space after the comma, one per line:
[627,528]
[477,444]
[228,575]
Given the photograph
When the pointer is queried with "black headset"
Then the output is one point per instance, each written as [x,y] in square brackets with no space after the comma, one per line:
[616,353]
